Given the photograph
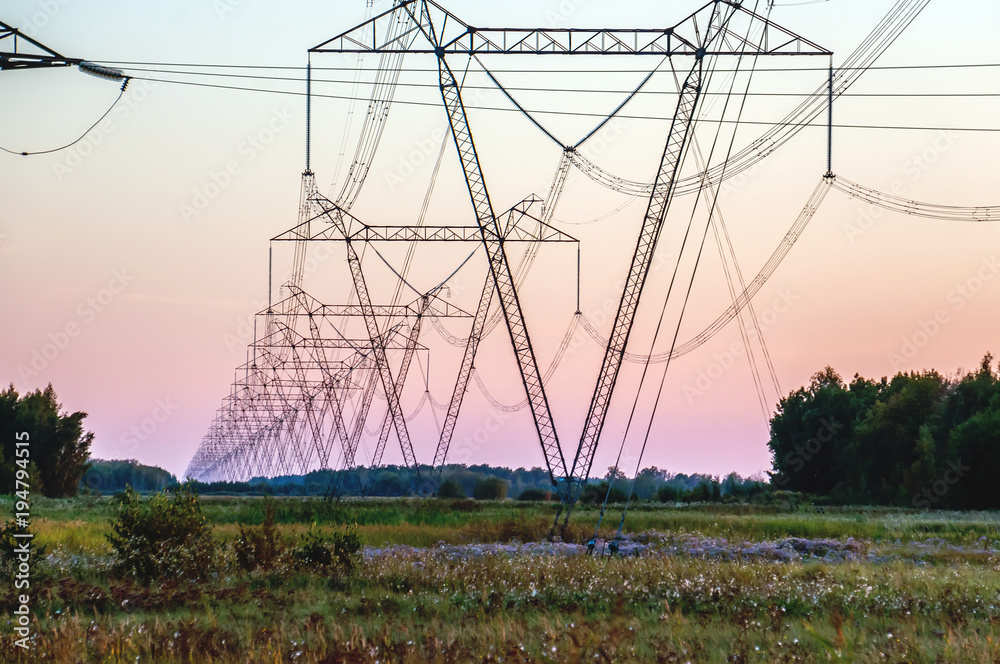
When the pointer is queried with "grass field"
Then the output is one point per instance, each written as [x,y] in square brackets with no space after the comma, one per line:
[442,581]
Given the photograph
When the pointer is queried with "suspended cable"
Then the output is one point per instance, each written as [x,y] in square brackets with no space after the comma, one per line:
[987,213]
[677,329]
[518,106]
[355,84]
[792,125]
[558,183]
[772,264]
[130,64]
[383,93]
[621,448]
[871,48]
[121,92]
[394,271]
[723,242]
[556,360]
[670,288]
[717,221]
[350,110]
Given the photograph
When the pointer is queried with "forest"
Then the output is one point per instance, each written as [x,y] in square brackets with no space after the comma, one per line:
[918,439]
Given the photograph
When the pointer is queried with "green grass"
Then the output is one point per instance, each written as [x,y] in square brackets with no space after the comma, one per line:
[410,520]
[429,606]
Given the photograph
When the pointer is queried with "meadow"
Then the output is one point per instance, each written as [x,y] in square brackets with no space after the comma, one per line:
[478,581]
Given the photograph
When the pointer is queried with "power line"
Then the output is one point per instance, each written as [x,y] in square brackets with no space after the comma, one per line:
[532,70]
[25,153]
[434,86]
[574,113]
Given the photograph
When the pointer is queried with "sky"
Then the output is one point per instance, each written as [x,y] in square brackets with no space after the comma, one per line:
[133,262]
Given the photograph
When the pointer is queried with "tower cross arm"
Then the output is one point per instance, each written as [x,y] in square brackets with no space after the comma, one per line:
[19,51]
[457,37]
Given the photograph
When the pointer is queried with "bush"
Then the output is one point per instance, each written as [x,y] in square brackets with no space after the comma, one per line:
[8,559]
[261,547]
[490,488]
[595,494]
[465,505]
[450,489]
[668,493]
[339,553]
[164,536]
[535,494]
[703,492]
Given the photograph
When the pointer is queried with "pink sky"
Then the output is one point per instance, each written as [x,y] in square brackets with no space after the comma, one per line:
[137,311]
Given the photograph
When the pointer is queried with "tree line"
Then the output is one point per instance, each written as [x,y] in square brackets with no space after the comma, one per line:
[918,439]
[117,475]
[496,483]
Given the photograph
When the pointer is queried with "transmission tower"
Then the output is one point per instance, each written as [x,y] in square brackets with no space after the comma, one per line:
[719,28]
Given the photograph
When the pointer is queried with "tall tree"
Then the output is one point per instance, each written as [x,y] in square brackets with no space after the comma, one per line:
[811,431]
[971,474]
[885,445]
[59,447]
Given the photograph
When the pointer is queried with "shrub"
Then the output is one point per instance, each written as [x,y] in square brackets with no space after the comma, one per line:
[166,535]
[668,493]
[490,488]
[261,547]
[535,494]
[338,553]
[8,559]
[704,492]
[450,489]
[596,493]
[465,505]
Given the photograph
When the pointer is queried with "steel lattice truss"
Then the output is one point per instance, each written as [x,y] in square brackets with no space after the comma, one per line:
[18,51]
[285,413]
[267,424]
[302,400]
